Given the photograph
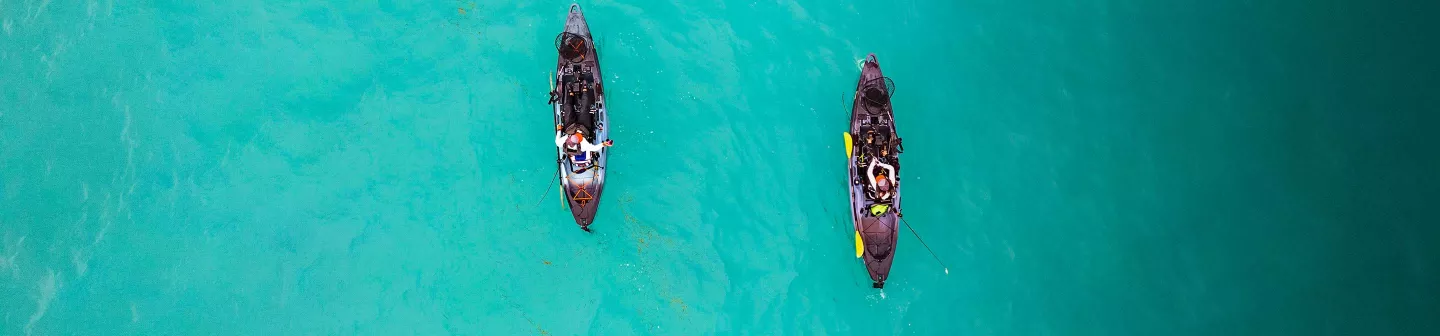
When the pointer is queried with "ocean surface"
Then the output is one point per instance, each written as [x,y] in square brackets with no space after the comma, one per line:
[1113,167]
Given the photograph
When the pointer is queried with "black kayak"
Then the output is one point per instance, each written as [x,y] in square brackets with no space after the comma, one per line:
[578,98]
[872,141]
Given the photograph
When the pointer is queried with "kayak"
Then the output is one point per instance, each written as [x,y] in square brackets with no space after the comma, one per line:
[873,147]
[578,99]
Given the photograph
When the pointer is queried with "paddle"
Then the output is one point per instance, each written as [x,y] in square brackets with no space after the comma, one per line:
[849,146]
[859,245]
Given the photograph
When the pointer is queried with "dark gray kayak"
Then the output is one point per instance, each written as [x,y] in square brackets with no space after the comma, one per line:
[873,141]
[579,105]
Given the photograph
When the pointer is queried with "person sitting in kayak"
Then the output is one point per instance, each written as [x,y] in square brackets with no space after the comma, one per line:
[576,146]
[884,182]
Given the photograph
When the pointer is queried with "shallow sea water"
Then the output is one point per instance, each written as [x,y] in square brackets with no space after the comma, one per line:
[378,168]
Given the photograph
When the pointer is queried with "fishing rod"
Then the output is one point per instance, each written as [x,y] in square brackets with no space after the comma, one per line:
[922,241]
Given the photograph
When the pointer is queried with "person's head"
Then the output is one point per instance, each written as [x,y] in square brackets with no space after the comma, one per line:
[882,183]
[573,141]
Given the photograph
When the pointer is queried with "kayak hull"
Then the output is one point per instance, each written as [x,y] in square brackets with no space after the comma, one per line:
[876,222]
[582,183]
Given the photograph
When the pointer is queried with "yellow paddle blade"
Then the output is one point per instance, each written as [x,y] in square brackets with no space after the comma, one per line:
[859,245]
[551,81]
[849,146]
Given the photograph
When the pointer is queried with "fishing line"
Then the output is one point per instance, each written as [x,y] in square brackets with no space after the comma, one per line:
[922,241]
[547,186]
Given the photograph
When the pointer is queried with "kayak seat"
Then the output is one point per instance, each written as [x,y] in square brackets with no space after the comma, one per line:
[874,196]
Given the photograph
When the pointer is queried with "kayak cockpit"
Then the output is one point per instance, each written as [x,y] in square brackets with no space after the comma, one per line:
[879,147]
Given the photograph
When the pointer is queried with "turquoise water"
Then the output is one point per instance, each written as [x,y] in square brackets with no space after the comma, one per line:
[377,167]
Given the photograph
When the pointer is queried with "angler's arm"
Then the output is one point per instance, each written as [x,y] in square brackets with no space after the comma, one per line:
[588,147]
[870,172]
